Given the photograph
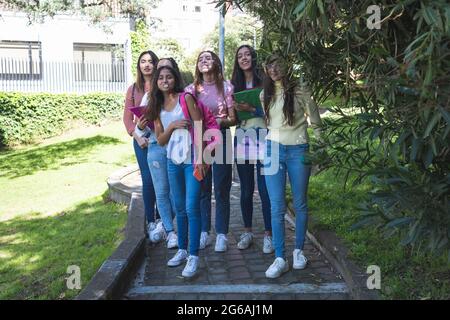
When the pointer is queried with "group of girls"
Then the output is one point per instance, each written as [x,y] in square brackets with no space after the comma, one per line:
[170,157]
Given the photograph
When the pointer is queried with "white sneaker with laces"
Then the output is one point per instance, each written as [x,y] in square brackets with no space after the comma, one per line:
[245,241]
[172,240]
[300,260]
[157,234]
[277,268]
[191,267]
[221,243]
[268,245]
[205,240]
[178,258]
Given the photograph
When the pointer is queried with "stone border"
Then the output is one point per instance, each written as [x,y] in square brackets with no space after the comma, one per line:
[118,192]
[337,254]
[115,274]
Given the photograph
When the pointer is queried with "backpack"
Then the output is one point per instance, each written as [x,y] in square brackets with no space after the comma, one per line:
[209,121]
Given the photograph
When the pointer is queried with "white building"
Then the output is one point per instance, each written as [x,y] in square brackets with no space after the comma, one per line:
[187,21]
[64,54]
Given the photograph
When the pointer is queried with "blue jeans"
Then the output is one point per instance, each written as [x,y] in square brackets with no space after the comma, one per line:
[157,162]
[291,161]
[222,175]
[148,191]
[186,199]
[247,178]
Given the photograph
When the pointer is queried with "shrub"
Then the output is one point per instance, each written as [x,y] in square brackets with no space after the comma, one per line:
[27,117]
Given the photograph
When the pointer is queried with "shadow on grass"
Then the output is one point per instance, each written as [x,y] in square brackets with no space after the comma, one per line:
[23,163]
[35,251]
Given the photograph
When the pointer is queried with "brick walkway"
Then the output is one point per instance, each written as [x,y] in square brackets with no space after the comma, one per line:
[237,274]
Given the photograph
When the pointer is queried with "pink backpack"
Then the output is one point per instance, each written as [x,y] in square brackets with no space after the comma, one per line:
[209,121]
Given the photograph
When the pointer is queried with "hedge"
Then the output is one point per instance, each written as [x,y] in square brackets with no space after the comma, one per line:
[28,117]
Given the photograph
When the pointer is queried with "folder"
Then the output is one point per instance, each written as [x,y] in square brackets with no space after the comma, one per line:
[138,111]
[251,97]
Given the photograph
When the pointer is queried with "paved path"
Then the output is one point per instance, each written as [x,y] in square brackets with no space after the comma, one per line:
[237,274]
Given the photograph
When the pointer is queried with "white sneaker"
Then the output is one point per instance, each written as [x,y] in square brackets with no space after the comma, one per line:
[150,227]
[191,267]
[172,240]
[178,258]
[300,260]
[221,243]
[157,234]
[245,241]
[205,240]
[268,245]
[277,268]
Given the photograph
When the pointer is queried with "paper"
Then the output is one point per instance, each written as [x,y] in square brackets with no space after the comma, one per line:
[138,111]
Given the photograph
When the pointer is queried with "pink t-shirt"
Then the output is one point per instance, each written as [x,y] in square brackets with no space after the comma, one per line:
[210,97]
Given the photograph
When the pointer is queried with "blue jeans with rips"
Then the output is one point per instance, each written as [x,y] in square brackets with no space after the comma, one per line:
[157,162]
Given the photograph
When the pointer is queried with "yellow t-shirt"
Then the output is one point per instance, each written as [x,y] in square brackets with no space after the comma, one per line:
[304,106]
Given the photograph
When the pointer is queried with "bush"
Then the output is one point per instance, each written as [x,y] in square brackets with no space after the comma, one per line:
[25,118]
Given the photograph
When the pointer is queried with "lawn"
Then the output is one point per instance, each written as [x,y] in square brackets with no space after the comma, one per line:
[405,274]
[53,211]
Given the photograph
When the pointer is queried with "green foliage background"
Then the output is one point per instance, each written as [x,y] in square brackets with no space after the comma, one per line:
[26,118]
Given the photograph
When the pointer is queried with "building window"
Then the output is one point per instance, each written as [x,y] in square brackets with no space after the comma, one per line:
[99,62]
[198,9]
[20,60]
[185,8]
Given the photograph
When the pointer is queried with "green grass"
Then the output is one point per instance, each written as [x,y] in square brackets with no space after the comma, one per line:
[53,213]
[62,171]
[405,274]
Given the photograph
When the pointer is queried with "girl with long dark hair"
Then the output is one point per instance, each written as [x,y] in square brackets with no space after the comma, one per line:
[247,75]
[171,128]
[287,106]
[145,66]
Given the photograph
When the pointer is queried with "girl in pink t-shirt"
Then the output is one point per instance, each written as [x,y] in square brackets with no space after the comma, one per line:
[214,92]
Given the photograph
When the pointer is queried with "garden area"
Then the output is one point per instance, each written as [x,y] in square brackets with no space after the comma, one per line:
[54,208]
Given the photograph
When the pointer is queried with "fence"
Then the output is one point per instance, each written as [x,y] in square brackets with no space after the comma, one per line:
[62,76]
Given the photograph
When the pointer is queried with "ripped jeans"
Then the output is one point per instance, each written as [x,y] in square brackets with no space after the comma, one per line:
[157,162]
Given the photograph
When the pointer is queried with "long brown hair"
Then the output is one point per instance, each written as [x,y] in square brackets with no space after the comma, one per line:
[140,81]
[156,97]
[288,91]
[217,71]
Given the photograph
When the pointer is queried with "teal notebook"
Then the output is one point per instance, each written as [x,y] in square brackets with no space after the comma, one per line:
[251,97]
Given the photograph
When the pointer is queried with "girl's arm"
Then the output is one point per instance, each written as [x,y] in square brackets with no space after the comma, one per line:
[196,115]
[232,119]
[128,116]
[311,110]
[163,136]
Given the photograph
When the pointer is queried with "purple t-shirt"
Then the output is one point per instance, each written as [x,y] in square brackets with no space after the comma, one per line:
[210,97]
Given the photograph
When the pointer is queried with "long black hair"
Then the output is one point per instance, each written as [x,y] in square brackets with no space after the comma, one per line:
[140,81]
[238,76]
[156,101]
[288,90]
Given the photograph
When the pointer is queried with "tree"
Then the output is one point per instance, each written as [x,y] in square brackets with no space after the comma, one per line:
[238,30]
[392,122]
[97,10]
